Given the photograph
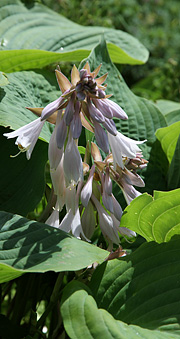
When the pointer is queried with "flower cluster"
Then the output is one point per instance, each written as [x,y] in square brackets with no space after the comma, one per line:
[83,102]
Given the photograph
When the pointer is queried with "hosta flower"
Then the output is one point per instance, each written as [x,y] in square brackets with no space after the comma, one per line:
[27,136]
[123,146]
[84,103]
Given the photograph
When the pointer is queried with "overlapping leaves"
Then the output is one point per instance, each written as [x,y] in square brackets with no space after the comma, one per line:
[131,291]
[143,288]
[29,246]
[40,36]
[155,218]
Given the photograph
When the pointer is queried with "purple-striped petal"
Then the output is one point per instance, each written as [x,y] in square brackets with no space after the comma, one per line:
[117,111]
[104,108]
[110,126]
[76,125]
[95,114]
[61,133]
[101,137]
[51,108]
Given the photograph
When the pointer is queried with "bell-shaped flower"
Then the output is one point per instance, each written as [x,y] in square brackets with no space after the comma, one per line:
[88,220]
[73,168]
[54,153]
[27,136]
[51,108]
[122,230]
[123,146]
[101,137]
[117,111]
[129,192]
[53,219]
[106,222]
[58,181]
[87,189]
[117,210]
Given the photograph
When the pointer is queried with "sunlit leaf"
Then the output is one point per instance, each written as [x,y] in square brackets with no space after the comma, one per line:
[155,218]
[29,246]
[38,36]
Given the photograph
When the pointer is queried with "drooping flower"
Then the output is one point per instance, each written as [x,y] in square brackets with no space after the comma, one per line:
[123,146]
[84,103]
[27,136]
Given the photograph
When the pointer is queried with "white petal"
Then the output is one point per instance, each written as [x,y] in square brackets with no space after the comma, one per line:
[73,168]
[54,153]
[27,135]
[87,189]
[106,222]
[123,146]
[53,219]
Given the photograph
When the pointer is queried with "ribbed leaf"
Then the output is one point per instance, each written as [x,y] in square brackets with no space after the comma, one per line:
[25,89]
[29,246]
[22,181]
[82,319]
[39,30]
[143,288]
[155,218]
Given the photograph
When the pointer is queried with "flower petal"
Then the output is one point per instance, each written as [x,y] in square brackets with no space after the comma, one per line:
[101,137]
[51,108]
[73,168]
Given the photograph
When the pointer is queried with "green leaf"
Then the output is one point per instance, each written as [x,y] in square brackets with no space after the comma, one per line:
[155,218]
[168,137]
[36,37]
[29,246]
[167,106]
[144,117]
[174,173]
[170,110]
[22,181]
[3,79]
[83,319]
[142,288]
[25,89]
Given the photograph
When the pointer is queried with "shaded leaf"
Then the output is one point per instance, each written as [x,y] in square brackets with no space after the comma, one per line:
[83,319]
[142,288]
[155,218]
[29,246]
[22,181]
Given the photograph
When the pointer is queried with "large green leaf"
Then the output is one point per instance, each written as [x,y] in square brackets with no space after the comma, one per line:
[82,319]
[37,30]
[170,110]
[22,181]
[155,218]
[144,118]
[29,246]
[174,173]
[25,89]
[143,288]
[168,137]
